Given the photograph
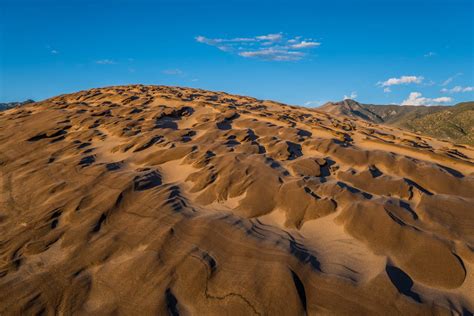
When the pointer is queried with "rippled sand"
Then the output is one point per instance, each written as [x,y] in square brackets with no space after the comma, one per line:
[142,200]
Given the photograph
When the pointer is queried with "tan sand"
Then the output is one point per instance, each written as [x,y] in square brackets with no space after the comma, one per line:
[145,200]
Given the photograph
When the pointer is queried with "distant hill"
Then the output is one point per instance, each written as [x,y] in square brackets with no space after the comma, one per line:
[352,109]
[454,123]
[9,105]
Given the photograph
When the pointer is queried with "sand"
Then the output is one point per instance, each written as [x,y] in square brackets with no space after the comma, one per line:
[161,200]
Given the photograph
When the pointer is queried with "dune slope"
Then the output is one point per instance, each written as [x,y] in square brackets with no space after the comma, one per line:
[155,200]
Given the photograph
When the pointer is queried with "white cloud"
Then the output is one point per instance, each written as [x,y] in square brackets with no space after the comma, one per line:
[54,52]
[242,39]
[442,100]
[416,98]
[273,54]
[458,89]
[218,41]
[430,54]
[274,47]
[224,48]
[352,96]
[305,44]
[455,89]
[387,89]
[401,80]
[270,37]
[105,62]
[202,39]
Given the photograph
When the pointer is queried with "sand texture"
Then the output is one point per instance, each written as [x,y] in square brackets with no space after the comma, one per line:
[140,200]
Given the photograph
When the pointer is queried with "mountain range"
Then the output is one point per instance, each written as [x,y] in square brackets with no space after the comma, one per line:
[10,105]
[453,123]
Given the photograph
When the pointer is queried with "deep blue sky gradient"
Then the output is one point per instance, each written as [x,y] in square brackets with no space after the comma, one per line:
[52,47]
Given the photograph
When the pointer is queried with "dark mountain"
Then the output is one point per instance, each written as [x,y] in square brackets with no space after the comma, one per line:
[454,123]
[353,109]
[9,105]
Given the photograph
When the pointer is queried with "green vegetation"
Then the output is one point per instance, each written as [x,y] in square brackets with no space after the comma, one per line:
[453,123]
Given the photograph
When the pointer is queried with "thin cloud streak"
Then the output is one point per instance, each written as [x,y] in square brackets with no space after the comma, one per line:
[450,79]
[105,62]
[458,89]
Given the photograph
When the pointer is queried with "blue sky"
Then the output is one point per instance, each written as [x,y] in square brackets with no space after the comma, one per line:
[297,52]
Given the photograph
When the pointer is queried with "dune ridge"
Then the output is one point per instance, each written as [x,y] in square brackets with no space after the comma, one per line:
[153,199]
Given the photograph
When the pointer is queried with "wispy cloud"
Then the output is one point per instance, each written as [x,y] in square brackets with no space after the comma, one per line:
[313,103]
[447,81]
[399,81]
[276,54]
[52,50]
[352,96]
[430,54]
[105,62]
[274,47]
[305,44]
[416,98]
[429,83]
[458,89]
[178,73]
[450,79]
[270,37]
[222,41]
[173,72]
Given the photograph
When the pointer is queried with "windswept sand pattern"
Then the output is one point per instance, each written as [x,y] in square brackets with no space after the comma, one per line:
[142,200]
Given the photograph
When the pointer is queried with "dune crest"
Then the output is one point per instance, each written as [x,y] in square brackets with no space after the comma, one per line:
[153,199]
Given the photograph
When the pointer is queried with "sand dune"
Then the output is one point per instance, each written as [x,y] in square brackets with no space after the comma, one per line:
[162,200]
